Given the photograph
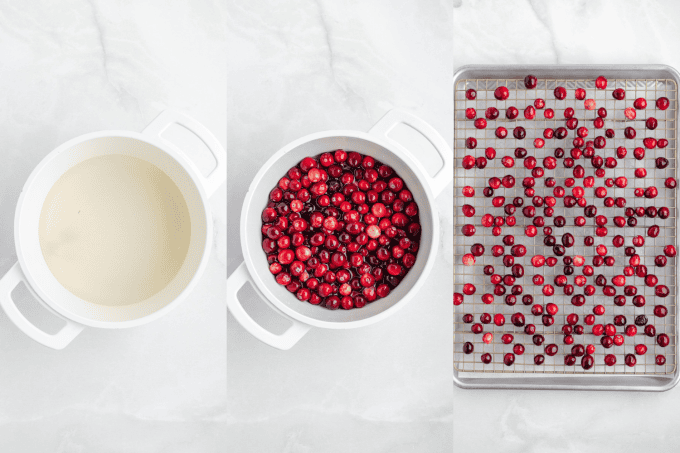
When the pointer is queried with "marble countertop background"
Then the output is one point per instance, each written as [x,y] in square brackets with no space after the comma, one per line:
[74,67]
[578,32]
[300,67]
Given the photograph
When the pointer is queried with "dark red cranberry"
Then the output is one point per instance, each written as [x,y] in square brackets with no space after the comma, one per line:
[491,113]
[530,82]
[587,362]
[560,93]
[663,340]
[511,113]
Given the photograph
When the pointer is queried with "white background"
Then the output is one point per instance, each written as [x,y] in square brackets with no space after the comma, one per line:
[601,32]
[299,67]
[73,67]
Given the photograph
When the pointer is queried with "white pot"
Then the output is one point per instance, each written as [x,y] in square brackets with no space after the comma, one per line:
[32,269]
[380,145]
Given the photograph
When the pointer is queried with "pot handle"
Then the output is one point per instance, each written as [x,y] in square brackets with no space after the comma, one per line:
[58,340]
[393,118]
[218,176]
[284,341]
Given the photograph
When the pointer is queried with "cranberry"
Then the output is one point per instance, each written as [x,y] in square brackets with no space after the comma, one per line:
[551,349]
[630,113]
[661,162]
[640,104]
[511,113]
[560,93]
[501,93]
[486,358]
[610,360]
[580,94]
[507,338]
[619,94]
[601,83]
[471,94]
[501,132]
[491,113]
[587,362]
[662,103]
[660,360]
[663,340]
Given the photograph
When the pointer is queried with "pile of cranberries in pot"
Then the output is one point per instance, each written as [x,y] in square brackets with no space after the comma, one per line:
[575,174]
[340,230]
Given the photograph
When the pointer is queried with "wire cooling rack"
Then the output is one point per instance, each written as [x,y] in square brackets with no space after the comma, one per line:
[520,97]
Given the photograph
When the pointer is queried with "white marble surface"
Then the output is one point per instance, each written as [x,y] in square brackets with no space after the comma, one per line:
[70,68]
[500,32]
[307,67]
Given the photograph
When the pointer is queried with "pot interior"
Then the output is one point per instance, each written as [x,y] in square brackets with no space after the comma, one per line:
[149,295]
[256,258]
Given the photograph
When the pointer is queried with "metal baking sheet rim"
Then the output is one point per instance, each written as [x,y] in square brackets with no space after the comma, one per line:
[532,381]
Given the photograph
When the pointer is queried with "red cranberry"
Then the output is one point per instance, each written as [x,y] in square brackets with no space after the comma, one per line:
[610,360]
[640,104]
[501,93]
[471,94]
[601,83]
[662,103]
[551,349]
[491,113]
[530,112]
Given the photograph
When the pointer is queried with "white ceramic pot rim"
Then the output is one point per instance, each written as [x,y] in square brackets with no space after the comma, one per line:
[188,166]
[272,299]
